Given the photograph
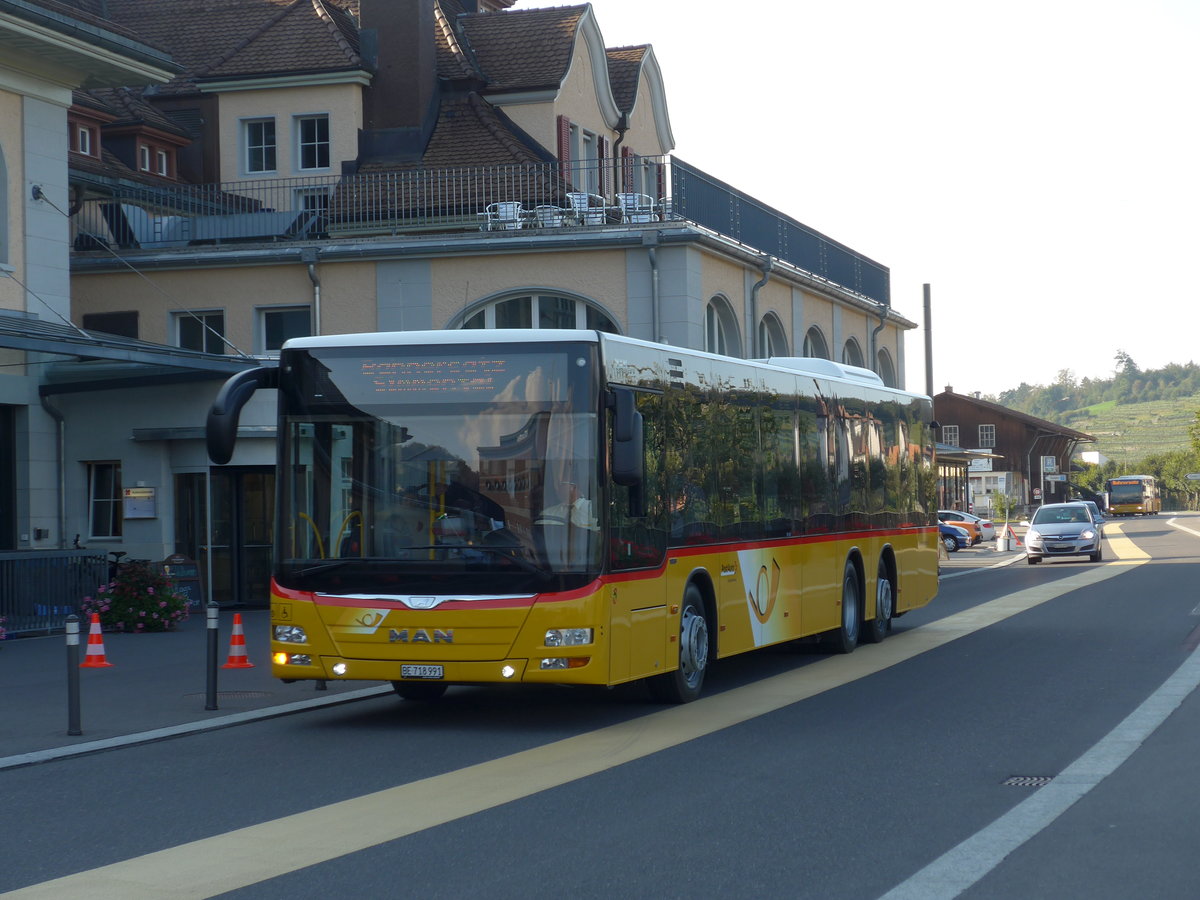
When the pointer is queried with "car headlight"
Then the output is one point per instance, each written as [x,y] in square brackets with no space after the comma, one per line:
[1087,534]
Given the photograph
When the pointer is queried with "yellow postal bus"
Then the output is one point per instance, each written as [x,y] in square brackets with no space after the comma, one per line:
[1133,495]
[580,508]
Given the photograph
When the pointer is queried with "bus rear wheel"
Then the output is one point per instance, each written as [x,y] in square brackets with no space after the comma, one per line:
[684,684]
[419,690]
[885,606]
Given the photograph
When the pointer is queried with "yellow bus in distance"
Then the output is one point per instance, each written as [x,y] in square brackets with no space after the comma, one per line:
[1133,495]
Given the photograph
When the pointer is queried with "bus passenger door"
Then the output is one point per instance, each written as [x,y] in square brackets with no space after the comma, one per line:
[637,603]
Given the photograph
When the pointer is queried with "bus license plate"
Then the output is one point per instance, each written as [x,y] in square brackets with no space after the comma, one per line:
[420,671]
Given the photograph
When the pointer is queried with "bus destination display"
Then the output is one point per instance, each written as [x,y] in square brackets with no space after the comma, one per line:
[457,377]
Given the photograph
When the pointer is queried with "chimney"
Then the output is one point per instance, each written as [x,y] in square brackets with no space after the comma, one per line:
[400,105]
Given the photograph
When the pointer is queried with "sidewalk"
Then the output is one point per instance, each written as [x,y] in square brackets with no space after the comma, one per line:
[984,555]
[157,686]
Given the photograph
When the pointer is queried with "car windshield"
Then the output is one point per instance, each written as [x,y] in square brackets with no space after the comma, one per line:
[1054,515]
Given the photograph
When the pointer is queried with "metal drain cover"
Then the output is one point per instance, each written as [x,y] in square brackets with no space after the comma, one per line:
[1027,780]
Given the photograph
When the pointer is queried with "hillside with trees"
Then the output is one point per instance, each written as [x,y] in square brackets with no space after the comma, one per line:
[1145,422]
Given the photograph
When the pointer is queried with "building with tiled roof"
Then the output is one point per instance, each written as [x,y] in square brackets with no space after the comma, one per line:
[331,166]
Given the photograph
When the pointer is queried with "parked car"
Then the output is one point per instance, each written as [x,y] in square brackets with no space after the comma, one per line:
[969,527]
[985,527]
[1063,529]
[1097,516]
[953,538]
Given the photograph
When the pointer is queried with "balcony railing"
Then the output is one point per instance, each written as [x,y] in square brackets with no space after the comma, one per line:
[499,199]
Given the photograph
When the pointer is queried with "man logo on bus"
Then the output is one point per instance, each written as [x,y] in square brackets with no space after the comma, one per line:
[421,636]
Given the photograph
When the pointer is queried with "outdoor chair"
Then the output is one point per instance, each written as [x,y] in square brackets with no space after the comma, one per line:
[589,209]
[637,208]
[504,215]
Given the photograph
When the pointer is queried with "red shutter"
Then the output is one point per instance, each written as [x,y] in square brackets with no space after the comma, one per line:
[564,148]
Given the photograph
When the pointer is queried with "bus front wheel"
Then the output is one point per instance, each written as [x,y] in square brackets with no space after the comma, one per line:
[684,684]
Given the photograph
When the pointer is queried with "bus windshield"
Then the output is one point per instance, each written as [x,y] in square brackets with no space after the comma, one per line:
[1125,492]
[404,469]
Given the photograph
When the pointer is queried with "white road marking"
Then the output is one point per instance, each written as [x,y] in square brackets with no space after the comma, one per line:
[247,856]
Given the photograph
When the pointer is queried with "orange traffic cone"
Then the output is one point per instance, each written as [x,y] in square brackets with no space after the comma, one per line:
[1013,535]
[95,658]
[237,647]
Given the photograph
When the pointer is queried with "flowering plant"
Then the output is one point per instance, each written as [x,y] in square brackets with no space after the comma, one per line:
[139,598]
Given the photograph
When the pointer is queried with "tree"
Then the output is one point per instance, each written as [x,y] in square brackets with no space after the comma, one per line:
[1125,364]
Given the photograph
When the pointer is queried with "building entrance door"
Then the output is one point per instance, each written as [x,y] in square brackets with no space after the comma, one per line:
[242,531]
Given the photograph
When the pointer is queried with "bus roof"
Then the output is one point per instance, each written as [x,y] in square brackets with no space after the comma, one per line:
[821,368]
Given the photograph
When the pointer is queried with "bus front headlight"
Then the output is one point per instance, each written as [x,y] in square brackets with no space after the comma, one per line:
[290,634]
[568,637]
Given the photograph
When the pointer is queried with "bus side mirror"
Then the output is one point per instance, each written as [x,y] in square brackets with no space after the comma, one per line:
[221,428]
[628,462]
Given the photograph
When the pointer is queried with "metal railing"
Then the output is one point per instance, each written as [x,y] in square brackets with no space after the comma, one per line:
[639,191]
[40,588]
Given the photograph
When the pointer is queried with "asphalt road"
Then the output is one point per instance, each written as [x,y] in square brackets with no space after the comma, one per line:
[888,771]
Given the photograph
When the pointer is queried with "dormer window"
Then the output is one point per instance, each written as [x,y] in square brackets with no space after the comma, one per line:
[143,158]
[161,164]
[83,140]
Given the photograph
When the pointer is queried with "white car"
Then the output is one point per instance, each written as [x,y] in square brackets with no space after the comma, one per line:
[987,530]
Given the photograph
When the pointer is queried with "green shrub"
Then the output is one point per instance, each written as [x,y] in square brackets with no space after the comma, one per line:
[140,598]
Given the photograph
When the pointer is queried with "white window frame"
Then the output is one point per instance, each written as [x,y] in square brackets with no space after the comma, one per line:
[301,144]
[264,312]
[262,146]
[162,162]
[143,151]
[950,435]
[109,505]
[987,437]
[83,140]
[584,311]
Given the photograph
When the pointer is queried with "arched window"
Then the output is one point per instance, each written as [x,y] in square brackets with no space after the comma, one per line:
[852,354]
[885,369]
[540,311]
[720,329]
[771,339]
[814,344]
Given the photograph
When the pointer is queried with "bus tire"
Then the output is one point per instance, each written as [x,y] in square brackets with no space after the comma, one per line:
[684,684]
[424,691]
[885,606]
[844,638]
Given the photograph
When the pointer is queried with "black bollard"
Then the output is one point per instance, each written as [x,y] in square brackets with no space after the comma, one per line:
[211,694]
[73,726]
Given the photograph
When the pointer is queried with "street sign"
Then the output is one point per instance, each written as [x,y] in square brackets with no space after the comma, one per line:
[1056,477]
[1049,464]
[1192,476]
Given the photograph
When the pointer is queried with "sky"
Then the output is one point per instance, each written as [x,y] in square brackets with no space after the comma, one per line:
[1035,162]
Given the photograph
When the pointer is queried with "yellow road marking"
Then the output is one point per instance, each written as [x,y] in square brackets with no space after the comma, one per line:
[237,859]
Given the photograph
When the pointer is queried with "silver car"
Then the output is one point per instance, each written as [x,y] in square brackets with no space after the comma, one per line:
[1063,529]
